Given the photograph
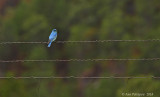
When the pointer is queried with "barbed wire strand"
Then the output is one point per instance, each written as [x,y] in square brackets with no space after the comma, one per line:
[79,60]
[92,41]
[79,77]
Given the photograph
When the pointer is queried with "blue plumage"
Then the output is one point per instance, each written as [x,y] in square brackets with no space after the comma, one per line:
[52,37]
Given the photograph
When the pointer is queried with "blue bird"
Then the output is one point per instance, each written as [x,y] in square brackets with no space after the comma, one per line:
[52,37]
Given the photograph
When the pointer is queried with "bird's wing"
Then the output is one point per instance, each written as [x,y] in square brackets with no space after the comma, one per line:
[51,35]
[54,38]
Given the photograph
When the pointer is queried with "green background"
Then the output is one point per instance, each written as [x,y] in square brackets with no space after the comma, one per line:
[76,20]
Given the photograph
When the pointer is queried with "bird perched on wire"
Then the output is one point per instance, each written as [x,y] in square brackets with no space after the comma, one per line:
[52,37]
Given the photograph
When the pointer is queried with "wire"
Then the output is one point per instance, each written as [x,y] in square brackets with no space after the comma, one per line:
[23,42]
[79,77]
[78,60]
[93,41]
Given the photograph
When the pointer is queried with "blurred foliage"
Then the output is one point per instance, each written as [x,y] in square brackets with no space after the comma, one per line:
[141,86]
[33,20]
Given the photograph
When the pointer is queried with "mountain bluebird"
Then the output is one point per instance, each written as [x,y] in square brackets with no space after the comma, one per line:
[52,37]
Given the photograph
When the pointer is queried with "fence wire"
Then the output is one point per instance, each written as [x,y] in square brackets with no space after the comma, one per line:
[79,77]
[78,60]
[92,41]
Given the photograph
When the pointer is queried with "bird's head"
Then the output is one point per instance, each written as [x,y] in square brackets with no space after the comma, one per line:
[54,30]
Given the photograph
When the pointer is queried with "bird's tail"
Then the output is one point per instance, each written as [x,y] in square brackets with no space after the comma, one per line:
[49,45]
